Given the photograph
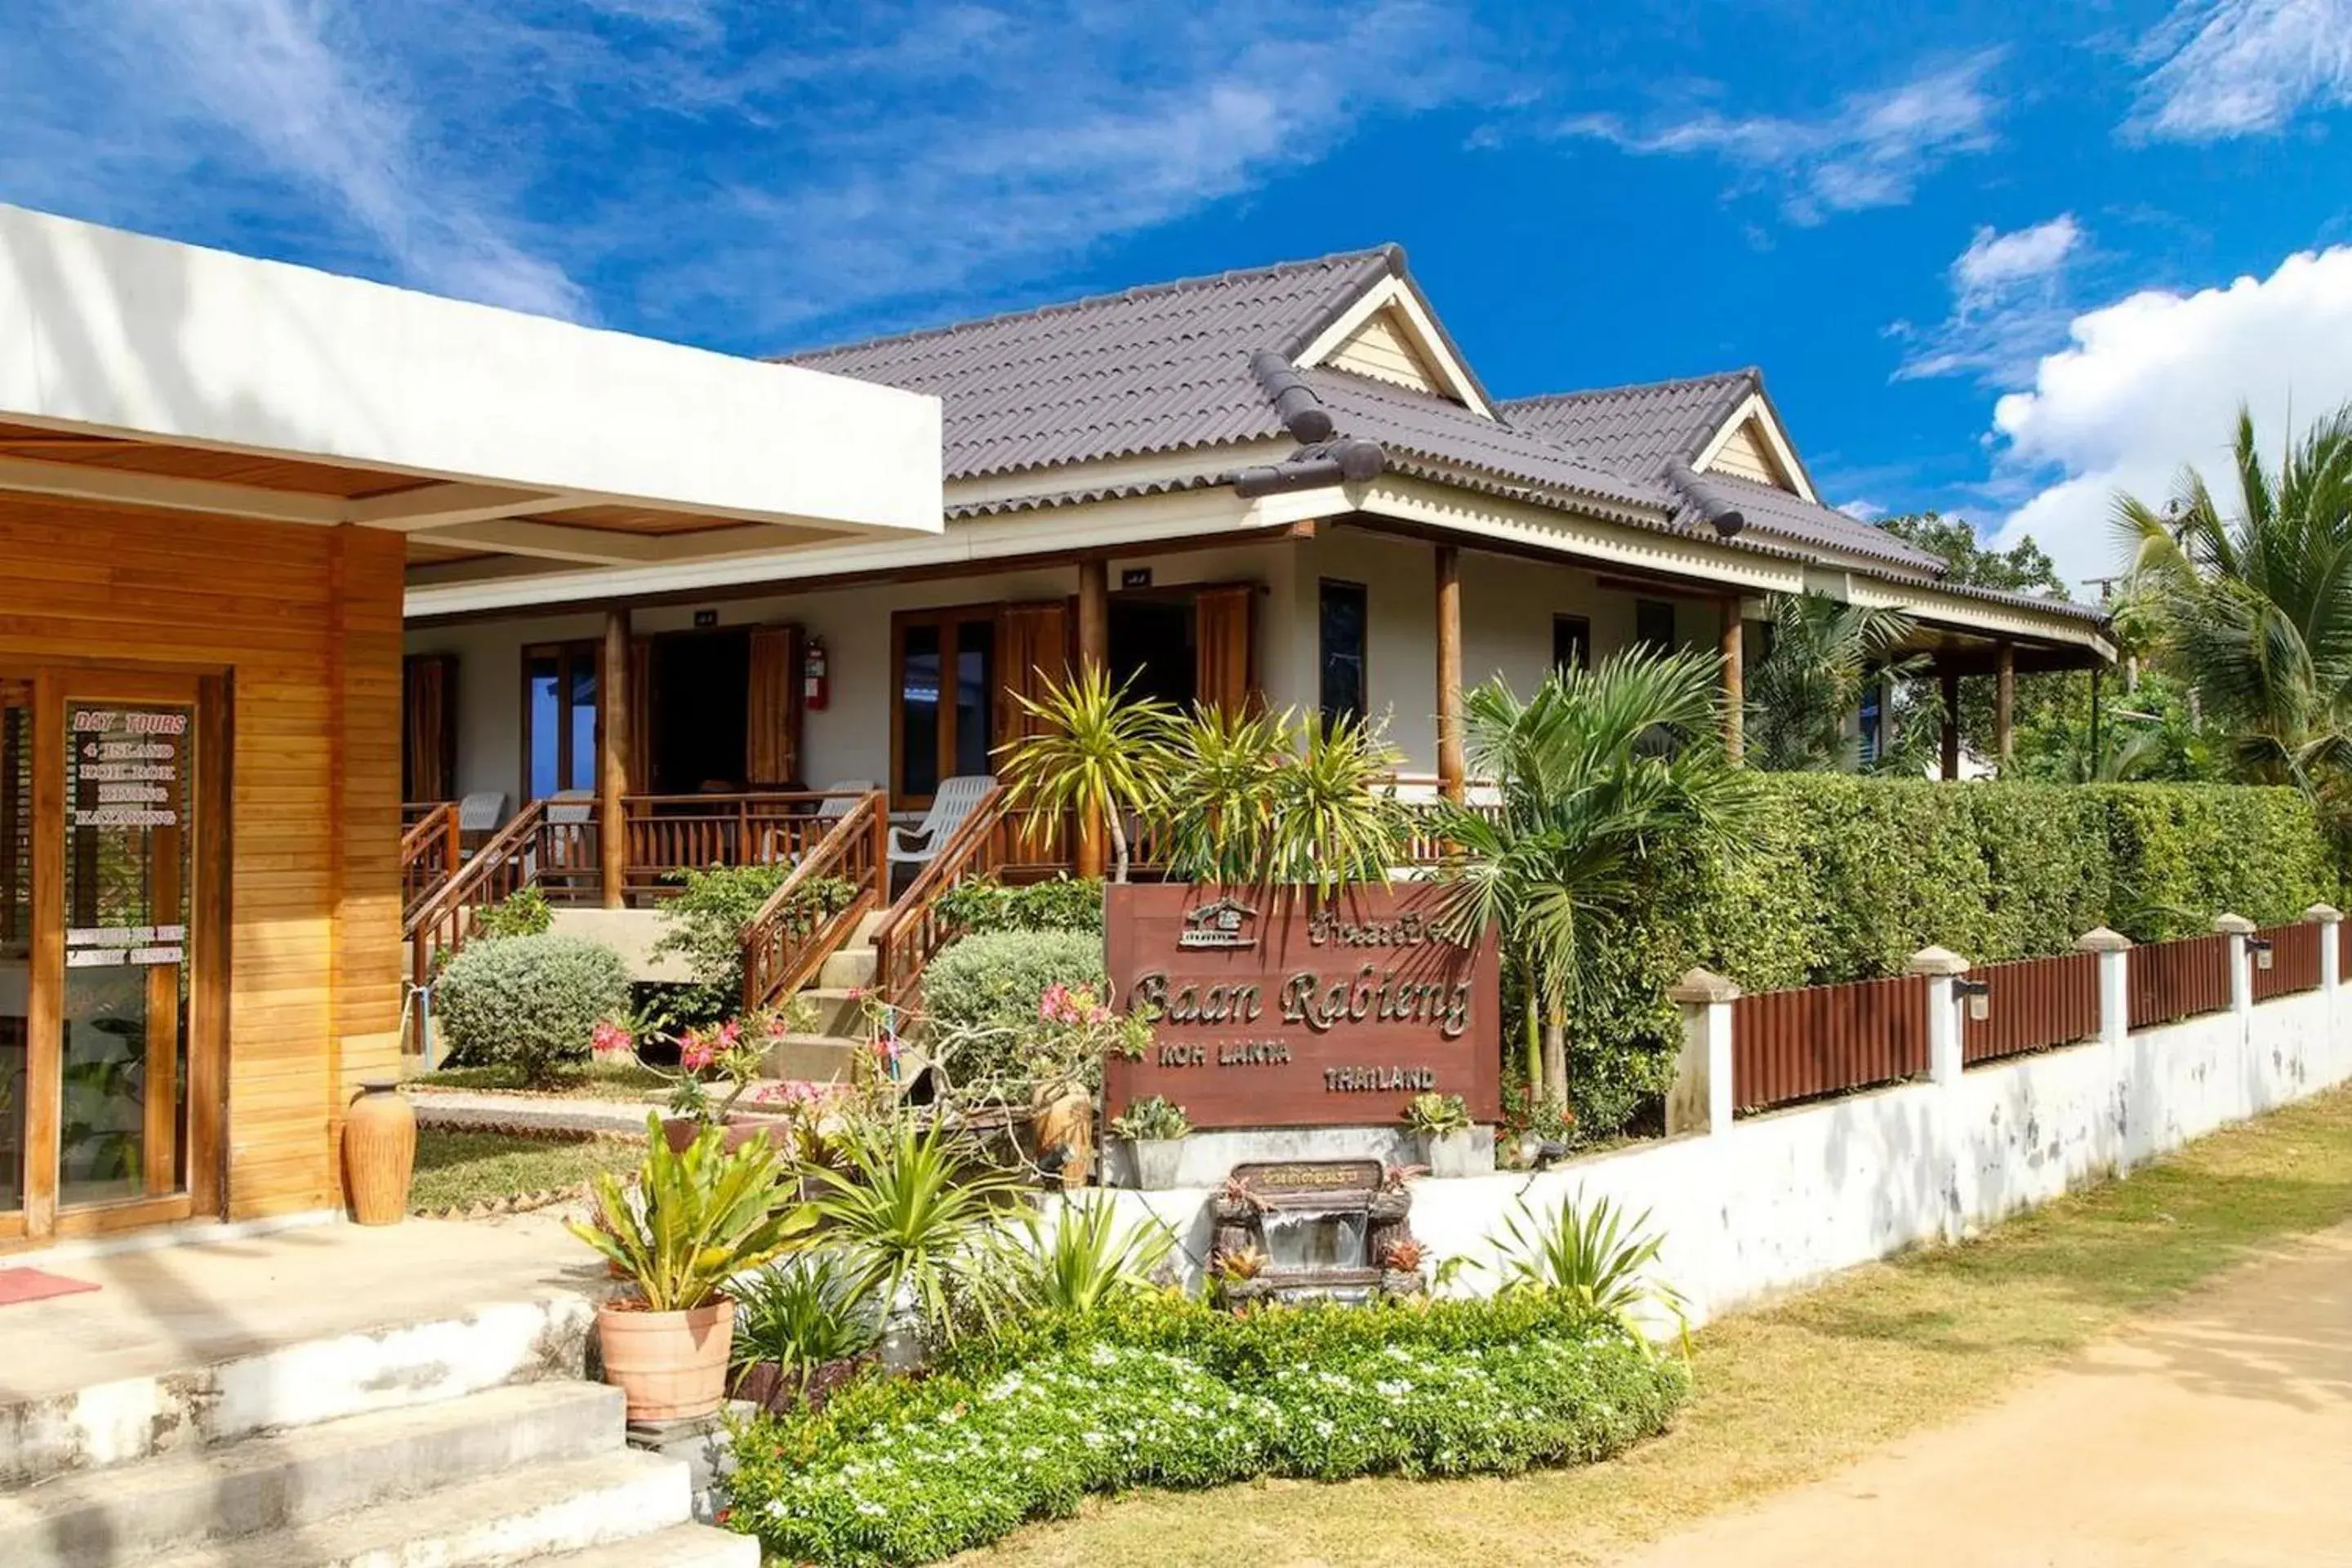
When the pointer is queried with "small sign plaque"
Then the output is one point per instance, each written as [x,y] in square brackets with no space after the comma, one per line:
[1135,577]
[705,619]
[1277,1007]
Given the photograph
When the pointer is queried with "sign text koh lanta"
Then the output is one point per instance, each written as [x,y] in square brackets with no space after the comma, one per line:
[1285,1008]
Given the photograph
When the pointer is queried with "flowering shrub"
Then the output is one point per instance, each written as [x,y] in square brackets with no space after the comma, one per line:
[734,1050]
[1168,1392]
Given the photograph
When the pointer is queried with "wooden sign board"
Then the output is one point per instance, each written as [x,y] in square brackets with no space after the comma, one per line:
[1280,1008]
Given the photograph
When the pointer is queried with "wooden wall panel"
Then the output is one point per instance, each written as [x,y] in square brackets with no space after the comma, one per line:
[306,624]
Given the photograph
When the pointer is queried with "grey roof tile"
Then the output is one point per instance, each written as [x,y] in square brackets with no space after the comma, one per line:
[1443,431]
[1636,431]
[1158,369]
[1772,510]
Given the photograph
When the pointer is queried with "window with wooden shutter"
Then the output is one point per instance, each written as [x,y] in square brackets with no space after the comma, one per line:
[428,750]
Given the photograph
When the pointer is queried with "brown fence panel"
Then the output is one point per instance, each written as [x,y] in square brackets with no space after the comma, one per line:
[2031,1005]
[1789,1046]
[2171,980]
[2295,961]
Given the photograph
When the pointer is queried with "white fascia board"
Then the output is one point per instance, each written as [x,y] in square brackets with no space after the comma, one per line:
[128,335]
[1983,617]
[1130,527]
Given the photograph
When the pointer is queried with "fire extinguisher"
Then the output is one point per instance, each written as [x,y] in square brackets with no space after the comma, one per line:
[816,690]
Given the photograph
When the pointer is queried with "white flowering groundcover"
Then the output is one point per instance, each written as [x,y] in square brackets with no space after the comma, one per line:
[924,1470]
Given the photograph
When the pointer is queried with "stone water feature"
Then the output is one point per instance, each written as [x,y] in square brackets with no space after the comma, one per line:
[1318,1227]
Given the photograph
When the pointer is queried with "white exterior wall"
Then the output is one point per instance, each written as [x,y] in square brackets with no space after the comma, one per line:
[1781,1200]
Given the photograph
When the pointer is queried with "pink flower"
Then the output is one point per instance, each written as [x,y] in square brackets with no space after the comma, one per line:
[731,1034]
[857,993]
[611,1039]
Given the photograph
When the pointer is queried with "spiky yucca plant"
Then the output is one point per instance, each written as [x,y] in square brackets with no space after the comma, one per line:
[1098,753]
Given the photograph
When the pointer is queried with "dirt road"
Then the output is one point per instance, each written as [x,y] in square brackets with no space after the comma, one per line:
[2220,1433]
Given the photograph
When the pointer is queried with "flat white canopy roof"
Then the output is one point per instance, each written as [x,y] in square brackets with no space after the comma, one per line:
[145,371]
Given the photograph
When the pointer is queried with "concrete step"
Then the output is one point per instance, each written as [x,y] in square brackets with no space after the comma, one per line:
[838,1012]
[515,1516]
[385,1367]
[853,966]
[302,1476]
[680,1546]
[813,1059]
[862,934]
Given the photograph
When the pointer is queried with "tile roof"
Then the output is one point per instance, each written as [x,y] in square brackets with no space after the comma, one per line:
[1157,369]
[1443,431]
[1774,511]
[1637,431]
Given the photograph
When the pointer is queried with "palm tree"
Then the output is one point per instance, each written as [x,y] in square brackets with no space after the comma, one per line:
[1096,753]
[1275,799]
[2253,607]
[1824,652]
[1597,771]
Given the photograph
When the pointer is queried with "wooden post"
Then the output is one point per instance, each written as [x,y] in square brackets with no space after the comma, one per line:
[1951,759]
[2004,702]
[1450,764]
[1735,680]
[1094,656]
[612,756]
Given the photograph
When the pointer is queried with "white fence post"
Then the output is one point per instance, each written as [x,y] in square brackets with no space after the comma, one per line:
[2114,949]
[2329,920]
[1700,1101]
[2238,928]
[1942,967]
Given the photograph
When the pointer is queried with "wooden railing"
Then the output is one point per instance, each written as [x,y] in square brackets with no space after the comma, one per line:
[668,833]
[788,940]
[516,858]
[1789,1046]
[412,811]
[429,856]
[914,930]
[2169,980]
[2295,961]
[2032,1005]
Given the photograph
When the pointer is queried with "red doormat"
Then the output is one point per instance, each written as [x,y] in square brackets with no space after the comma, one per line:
[32,1285]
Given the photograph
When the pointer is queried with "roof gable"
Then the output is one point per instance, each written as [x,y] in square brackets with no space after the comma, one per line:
[1751,444]
[1390,334]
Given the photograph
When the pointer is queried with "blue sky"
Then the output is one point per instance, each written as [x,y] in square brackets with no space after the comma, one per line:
[1998,259]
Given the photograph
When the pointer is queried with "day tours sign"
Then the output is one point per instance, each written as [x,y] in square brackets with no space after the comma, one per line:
[1282,1007]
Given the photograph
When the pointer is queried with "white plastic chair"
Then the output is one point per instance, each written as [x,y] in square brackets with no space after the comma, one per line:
[839,802]
[482,811]
[956,798]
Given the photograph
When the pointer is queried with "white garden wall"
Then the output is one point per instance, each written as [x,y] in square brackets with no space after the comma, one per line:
[1782,1199]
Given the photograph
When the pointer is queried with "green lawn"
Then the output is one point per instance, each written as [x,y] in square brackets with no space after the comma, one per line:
[456,1168]
[1790,1393]
[597,1080]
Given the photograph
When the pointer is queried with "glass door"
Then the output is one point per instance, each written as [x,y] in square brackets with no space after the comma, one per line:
[104,1014]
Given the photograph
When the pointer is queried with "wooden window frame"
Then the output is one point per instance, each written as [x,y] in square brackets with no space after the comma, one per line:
[565,653]
[949,619]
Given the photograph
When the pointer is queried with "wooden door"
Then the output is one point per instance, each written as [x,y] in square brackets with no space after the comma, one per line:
[111,970]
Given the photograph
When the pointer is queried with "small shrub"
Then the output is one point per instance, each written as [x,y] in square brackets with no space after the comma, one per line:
[530,1003]
[525,913]
[988,988]
[704,925]
[982,904]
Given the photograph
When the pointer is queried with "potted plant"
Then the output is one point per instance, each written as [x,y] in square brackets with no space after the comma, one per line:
[1155,1132]
[1400,1269]
[696,1219]
[1443,1124]
[803,1327]
[1238,1277]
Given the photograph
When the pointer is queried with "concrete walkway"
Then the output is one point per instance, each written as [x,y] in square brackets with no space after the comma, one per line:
[2218,1434]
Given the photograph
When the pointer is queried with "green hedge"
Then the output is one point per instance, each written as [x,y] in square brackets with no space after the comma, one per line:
[1848,876]
[1168,1392]
[983,904]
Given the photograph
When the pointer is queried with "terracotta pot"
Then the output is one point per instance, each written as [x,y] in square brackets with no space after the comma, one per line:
[682,1130]
[669,1366]
[379,1154]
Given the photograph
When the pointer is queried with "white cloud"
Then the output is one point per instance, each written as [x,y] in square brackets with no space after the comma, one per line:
[177,92]
[1866,511]
[2153,382]
[1872,151]
[2009,306]
[2239,67]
